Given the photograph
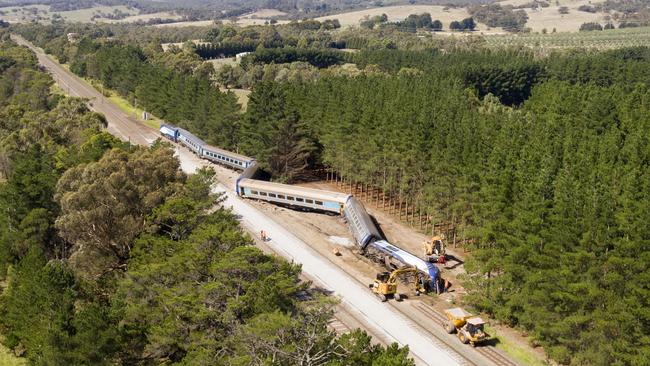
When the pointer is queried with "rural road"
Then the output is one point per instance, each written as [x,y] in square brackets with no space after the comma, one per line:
[382,320]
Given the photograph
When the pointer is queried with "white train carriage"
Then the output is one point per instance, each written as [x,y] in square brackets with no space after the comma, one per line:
[226,157]
[192,142]
[315,199]
[399,257]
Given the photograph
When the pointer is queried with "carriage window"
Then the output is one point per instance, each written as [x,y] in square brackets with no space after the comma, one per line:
[281,196]
[289,198]
[253,192]
[262,193]
[271,194]
[299,199]
[309,201]
[319,203]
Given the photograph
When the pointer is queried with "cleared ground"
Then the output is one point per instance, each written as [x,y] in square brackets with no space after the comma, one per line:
[400,12]
[549,18]
[42,13]
[145,17]
[242,96]
[542,18]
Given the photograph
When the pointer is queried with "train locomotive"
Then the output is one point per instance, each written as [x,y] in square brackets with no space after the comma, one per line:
[366,234]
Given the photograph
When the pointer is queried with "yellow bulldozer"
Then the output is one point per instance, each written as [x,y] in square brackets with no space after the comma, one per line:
[385,285]
[434,249]
[469,327]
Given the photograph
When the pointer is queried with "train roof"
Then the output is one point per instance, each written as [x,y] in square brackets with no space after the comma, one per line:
[189,135]
[353,204]
[228,153]
[318,194]
[406,257]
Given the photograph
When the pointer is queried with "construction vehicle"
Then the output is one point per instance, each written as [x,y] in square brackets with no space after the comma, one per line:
[385,285]
[469,327]
[434,249]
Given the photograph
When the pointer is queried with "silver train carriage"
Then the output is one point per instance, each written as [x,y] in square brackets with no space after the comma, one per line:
[360,223]
[294,196]
[226,157]
[192,142]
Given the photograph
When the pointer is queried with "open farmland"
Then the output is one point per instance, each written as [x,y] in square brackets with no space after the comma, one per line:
[146,17]
[542,18]
[550,18]
[395,13]
[606,39]
[42,13]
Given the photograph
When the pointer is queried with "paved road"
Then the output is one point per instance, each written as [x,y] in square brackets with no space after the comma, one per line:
[386,321]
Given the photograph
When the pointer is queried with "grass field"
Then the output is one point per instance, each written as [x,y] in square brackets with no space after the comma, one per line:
[521,354]
[219,62]
[145,17]
[543,18]
[7,357]
[608,39]
[400,12]
[136,113]
[42,13]
[125,105]
[549,18]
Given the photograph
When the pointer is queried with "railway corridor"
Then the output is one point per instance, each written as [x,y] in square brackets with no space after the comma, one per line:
[388,323]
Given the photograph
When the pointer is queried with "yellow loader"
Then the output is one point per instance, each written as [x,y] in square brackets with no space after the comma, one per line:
[469,327]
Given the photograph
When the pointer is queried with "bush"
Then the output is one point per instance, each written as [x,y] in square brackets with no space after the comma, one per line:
[465,24]
[591,27]
[495,15]
[587,8]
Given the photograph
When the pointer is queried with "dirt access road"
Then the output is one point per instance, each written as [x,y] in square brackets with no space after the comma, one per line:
[407,323]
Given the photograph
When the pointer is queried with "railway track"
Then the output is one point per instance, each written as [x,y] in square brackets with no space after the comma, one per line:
[486,351]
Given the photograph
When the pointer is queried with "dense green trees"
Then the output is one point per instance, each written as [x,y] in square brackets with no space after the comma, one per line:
[182,98]
[318,58]
[111,255]
[537,165]
[551,196]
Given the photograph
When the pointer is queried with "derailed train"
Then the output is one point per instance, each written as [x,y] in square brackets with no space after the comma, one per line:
[365,232]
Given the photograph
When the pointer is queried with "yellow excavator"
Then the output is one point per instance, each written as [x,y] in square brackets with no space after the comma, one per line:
[434,249]
[385,285]
[469,327]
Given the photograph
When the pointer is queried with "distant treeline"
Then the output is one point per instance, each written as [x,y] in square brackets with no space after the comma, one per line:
[209,51]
